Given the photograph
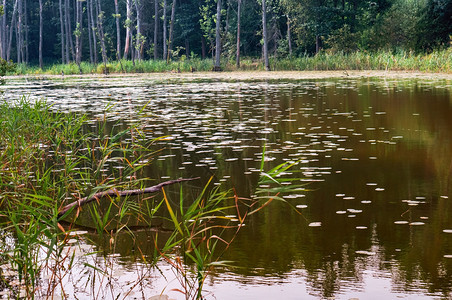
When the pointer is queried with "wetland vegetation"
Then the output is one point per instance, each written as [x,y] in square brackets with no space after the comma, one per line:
[367,189]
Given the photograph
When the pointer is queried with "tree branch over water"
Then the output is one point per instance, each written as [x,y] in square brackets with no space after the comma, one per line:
[115,192]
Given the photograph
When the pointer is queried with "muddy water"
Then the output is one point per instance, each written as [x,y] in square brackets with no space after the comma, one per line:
[376,155]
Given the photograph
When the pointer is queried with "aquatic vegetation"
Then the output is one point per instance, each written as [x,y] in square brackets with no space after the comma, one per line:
[50,158]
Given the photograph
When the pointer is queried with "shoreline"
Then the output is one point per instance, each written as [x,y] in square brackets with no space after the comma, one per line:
[255,75]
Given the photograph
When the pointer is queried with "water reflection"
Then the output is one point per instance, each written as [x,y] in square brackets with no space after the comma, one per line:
[377,155]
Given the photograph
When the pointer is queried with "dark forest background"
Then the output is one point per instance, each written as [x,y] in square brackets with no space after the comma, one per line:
[63,31]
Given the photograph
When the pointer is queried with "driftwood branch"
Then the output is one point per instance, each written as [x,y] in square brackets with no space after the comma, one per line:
[116,193]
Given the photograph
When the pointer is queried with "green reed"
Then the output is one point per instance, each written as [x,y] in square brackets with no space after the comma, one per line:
[50,158]
[400,60]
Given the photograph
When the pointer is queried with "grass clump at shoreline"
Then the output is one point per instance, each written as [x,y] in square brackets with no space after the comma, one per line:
[439,61]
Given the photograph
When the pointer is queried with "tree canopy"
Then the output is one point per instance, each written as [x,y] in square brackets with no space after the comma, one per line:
[95,30]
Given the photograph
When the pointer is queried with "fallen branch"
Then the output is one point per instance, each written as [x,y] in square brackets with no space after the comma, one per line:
[116,193]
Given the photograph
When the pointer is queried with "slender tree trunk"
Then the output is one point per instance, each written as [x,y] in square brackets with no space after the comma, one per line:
[66,28]
[11,28]
[90,37]
[289,35]
[217,66]
[40,34]
[93,29]
[77,32]
[156,26]
[264,35]
[239,12]
[69,40]
[128,25]
[100,30]
[118,32]
[62,31]
[226,27]
[4,33]
[171,31]
[25,41]
[139,39]
[165,21]
[19,40]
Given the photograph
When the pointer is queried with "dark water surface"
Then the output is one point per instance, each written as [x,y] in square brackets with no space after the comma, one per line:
[376,155]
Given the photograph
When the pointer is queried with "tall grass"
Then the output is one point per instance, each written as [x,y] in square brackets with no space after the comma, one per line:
[49,158]
[437,61]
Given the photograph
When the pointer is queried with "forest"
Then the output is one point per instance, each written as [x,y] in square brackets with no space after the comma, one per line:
[43,32]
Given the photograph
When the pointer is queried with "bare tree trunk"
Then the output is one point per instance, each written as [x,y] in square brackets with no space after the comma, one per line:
[3,36]
[264,35]
[139,39]
[239,12]
[165,49]
[217,66]
[93,29]
[25,41]
[40,34]
[100,30]
[90,37]
[19,40]
[77,32]
[12,25]
[171,31]
[66,29]
[118,32]
[60,4]
[289,35]
[226,27]
[69,40]
[156,25]
[128,24]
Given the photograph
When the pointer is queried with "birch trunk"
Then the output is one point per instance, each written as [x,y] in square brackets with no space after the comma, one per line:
[78,32]
[239,11]
[118,32]
[171,30]
[128,24]
[12,25]
[289,35]
[4,36]
[93,30]
[264,35]
[156,25]
[19,39]
[60,4]
[90,37]
[25,53]
[217,66]
[139,38]
[100,30]
[165,49]
[40,34]
[66,29]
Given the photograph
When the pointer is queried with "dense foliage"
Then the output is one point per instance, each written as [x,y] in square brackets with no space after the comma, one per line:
[88,30]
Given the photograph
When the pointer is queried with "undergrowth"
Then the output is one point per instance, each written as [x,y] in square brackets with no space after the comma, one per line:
[437,61]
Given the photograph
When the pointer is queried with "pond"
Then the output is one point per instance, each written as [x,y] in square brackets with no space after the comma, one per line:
[375,155]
